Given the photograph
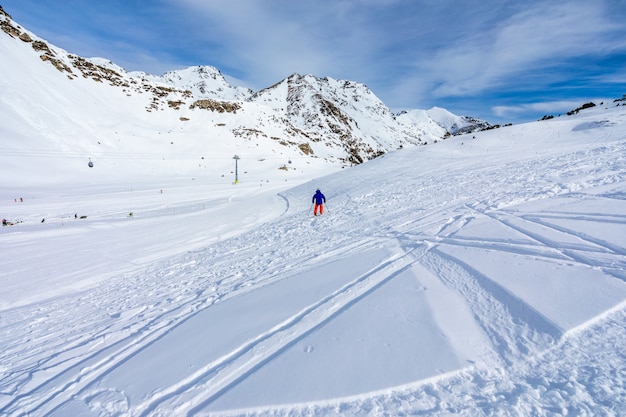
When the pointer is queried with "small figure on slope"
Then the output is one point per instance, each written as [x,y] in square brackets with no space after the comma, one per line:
[319,200]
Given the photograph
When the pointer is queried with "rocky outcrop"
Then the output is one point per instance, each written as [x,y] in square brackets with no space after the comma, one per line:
[214,105]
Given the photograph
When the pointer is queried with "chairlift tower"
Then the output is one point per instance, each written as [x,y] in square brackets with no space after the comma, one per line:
[236,158]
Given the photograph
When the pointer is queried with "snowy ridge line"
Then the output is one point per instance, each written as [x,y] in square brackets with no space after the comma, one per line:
[485,297]
[75,382]
[334,406]
[216,378]
[574,331]
[522,311]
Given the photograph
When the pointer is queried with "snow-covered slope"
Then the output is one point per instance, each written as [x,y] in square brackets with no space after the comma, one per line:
[485,275]
[436,117]
[487,280]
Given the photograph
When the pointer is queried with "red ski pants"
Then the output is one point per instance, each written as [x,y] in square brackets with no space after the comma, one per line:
[319,207]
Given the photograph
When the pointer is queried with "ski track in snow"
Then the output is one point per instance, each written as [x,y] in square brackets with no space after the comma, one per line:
[537,363]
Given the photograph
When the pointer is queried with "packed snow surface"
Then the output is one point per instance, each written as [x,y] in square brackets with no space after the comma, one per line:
[478,276]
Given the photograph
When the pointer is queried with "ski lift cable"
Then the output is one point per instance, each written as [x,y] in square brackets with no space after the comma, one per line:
[133,155]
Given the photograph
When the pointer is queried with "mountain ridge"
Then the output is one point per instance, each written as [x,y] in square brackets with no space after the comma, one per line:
[339,122]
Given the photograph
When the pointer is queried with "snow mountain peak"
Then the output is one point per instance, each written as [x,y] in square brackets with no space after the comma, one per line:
[334,122]
[204,81]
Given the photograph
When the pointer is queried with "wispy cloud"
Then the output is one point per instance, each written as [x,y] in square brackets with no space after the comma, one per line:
[549,107]
[519,46]
[271,39]
[479,57]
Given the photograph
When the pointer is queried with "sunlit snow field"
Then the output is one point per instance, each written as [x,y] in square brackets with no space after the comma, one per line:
[478,276]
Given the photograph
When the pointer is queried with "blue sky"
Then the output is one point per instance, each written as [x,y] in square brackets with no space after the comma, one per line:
[499,60]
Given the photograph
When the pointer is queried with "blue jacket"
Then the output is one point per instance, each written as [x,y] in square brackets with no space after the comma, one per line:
[318,198]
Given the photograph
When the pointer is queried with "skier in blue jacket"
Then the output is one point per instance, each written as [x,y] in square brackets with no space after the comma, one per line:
[319,200]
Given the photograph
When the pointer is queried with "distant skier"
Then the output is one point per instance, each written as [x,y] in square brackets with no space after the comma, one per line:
[319,200]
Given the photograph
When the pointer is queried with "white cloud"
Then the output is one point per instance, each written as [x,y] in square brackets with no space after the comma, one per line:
[527,41]
[274,39]
[548,107]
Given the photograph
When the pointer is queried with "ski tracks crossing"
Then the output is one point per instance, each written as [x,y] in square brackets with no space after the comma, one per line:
[200,389]
[127,328]
[519,334]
